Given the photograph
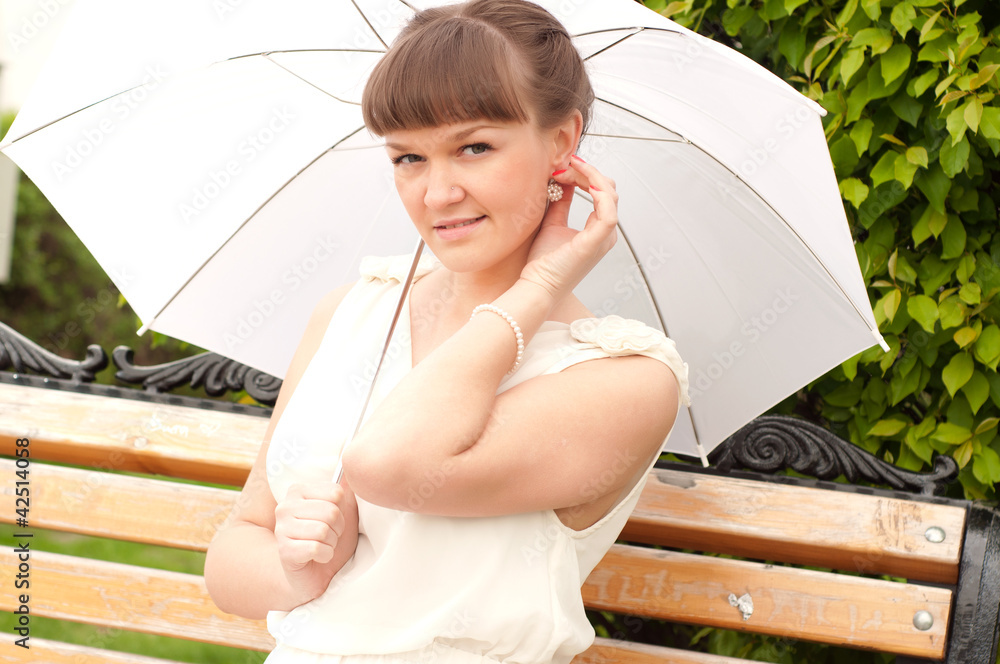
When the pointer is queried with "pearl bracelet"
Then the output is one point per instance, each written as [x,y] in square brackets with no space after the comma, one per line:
[513,325]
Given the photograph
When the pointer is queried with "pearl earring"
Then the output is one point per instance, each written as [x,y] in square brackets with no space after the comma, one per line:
[555,191]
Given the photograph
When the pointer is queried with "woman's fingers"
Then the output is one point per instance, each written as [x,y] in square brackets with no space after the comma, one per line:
[308,523]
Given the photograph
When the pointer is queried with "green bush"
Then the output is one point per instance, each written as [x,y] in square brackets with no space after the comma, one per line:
[914,133]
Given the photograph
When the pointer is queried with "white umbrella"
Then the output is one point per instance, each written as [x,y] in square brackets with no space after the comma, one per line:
[213,158]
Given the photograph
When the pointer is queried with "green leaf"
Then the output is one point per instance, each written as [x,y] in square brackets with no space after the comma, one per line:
[792,42]
[886,428]
[905,271]
[973,113]
[954,157]
[792,5]
[922,82]
[847,13]
[921,229]
[904,170]
[844,156]
[773,10]
[917,156]
[925,31]
[902,385]
[966,266]
[902,18]
[885,169]
[924,310]
[957,372]
[920,445]
[851,63]
[937,222]
[963,454]
[890,303]
[854,190]
[988,424]
[953,238]
[857,100]
[879,39]
[970,293]
[894,62]
[968,201]
[734,19]
[977,390]
[987,348]
[861,134]
[994,379]
[956,124]
[845,396]
[907,108]
[873,8]
[989,125]
[986,466]
[965,336]
[985,74]
[951,312]
[935,186]
[951,434]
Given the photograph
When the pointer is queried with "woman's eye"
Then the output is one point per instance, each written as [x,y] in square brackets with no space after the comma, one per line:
[477,148]
[405,159]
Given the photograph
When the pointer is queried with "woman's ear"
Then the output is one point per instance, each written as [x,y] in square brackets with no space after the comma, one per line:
[566,138]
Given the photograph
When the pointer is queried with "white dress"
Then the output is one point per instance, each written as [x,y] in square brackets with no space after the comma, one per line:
[428,588]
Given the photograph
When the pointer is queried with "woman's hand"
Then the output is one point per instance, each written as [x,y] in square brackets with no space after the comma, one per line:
[309,527]
[560,257]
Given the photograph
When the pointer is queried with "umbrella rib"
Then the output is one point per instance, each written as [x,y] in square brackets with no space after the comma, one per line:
[370,26]
[8,142]
[267,56]
[656,306]
[253,214]
[645,139]
[628,36]
[762,200]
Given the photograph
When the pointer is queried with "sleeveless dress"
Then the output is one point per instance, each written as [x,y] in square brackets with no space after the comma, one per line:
[449,590]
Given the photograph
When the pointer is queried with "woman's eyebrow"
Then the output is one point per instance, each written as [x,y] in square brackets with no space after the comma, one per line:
[457,136]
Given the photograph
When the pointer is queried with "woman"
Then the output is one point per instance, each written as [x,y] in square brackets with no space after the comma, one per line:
[509,440]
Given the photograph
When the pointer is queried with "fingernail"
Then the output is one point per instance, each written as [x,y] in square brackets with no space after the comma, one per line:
[558,172]
[579,158]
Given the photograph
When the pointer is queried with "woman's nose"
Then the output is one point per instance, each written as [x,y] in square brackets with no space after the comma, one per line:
[442,191]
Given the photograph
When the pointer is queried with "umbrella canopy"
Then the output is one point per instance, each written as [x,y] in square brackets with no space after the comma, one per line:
[226,185]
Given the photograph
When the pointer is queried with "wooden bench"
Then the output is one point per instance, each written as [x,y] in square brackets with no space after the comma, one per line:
[119,463]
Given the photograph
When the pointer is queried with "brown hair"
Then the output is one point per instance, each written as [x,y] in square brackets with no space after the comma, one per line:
[501,60]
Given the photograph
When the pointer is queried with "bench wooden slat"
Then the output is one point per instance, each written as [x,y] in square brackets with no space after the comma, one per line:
[869,613]
[136,509]
[44,651]
[801,525]
[609,651]
[789,602]
[125,434]
[130,597]
[707,513]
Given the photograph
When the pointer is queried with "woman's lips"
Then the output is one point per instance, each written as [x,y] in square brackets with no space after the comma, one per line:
[458,229]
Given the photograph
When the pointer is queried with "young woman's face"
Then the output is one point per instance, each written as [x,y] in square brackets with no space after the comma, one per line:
[475,190]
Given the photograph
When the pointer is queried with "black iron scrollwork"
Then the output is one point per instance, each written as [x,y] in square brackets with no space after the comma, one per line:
[776,442]
[21,354]
[217,374]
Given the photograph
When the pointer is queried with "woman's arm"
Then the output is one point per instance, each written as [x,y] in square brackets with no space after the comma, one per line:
[269,556]
[444,443]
